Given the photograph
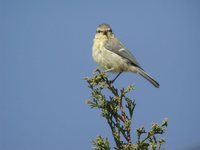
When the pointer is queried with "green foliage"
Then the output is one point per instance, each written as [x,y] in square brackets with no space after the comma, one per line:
[118,110]
[101,144]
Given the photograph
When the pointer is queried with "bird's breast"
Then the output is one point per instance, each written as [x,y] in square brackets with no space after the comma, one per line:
[108,59]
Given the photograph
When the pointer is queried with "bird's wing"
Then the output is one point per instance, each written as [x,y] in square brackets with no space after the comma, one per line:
[116,47]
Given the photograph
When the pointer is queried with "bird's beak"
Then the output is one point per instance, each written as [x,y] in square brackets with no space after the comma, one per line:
[105,33]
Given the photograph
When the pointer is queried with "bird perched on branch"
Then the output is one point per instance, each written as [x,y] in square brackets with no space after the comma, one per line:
[112,56]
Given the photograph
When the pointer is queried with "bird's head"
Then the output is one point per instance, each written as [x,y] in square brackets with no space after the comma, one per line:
[104,31]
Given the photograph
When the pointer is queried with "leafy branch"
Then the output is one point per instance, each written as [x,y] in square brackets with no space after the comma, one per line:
[118,110]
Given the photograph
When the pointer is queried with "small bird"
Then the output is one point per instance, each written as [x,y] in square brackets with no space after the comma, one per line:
[111,55]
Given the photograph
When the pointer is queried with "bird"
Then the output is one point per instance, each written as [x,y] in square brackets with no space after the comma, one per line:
[109,53]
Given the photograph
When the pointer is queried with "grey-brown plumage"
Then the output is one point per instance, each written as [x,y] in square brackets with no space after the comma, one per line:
[111,55]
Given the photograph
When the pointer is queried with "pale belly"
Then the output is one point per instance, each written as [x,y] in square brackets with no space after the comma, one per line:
[107,60]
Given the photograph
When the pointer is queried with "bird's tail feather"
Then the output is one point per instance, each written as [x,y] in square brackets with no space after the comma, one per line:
[148,77]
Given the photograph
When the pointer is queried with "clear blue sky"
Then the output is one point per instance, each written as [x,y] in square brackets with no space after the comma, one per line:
[45,52]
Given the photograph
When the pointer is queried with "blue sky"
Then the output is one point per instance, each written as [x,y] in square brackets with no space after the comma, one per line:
[45,52]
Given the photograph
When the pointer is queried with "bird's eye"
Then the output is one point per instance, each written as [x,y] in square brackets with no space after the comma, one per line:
[98,31]
[110,30]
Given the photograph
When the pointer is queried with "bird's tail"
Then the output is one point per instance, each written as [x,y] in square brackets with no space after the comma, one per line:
[148,77]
